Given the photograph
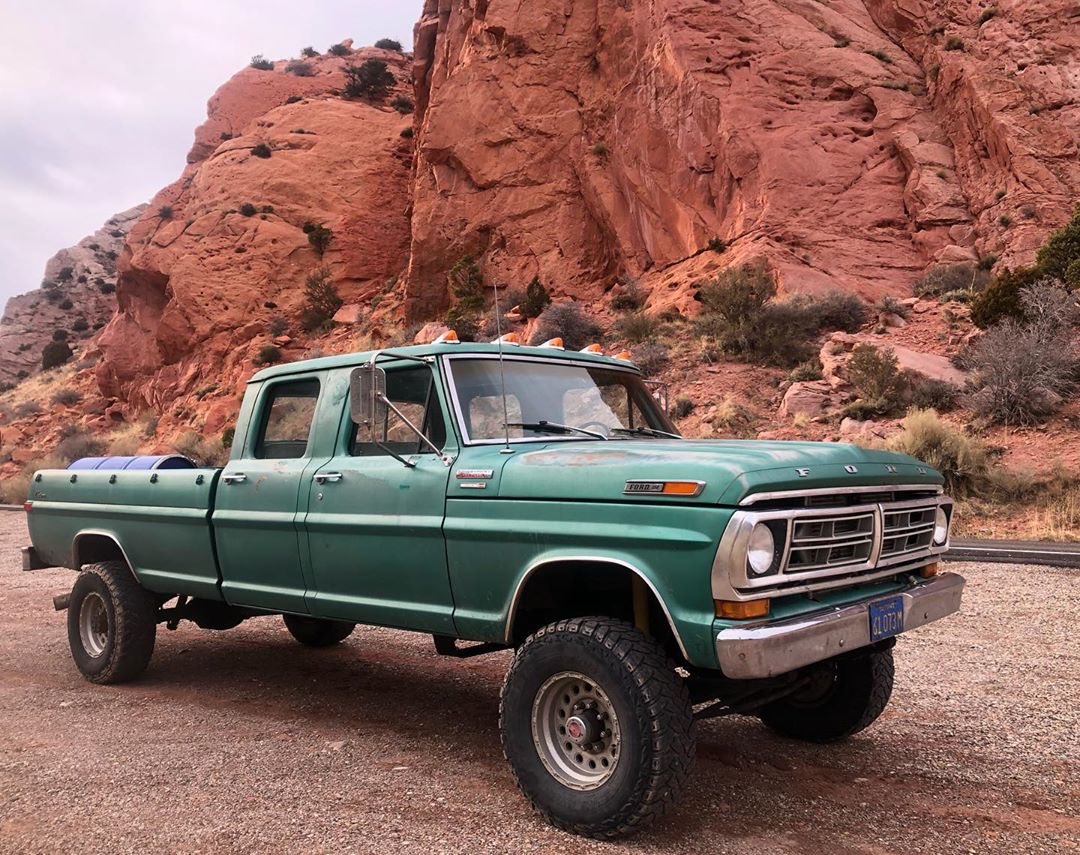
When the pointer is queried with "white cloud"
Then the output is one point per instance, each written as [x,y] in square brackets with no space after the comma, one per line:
[98,101]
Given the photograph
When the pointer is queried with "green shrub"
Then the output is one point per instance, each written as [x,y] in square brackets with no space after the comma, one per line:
[277,326]
[407,133]
[838,311]
[536,299]
[66,305]
[601,150]
[930,394]
[371,79]
[321,301]
[1005,221]
[1061,249]
[568,322]
[60,335]
[466,284]
[78,444]
[629,299]
[80,325]
[805,371]
[880,56]
[637,327]
[718,245]
[340,49]
[300,68]
[1001,298]
[987,13]
[954,43]
[962,461]
[388,44]
[165,212]
[66,397]
[403,105]
[840,41]
[268,355]
[107,287]
[261,150]
[65,274]
[683,407]
[55,354]
[651,357]
[934,71]
[889,305]
[294,99]
[309,53]
[319,236]
[248,210]
[27,409]
[261,63]
[878,379]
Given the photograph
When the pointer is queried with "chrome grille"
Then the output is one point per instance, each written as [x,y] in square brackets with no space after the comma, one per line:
[818,543]
[907,530]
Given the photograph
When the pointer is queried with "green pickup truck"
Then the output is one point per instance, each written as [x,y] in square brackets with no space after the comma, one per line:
[532,499]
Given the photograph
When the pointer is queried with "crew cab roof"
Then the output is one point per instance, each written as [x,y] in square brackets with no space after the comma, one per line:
[351,360]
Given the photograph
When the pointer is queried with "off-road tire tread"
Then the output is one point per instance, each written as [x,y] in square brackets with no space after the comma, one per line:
[882,675]
[668,714]
[135,629]
[327,634]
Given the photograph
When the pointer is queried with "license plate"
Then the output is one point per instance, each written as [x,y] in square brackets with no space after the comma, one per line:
[886,618]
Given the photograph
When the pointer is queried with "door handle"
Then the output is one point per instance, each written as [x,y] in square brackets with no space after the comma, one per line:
[327,477]
[234,478]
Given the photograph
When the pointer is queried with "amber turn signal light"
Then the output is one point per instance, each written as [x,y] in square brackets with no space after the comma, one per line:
[929,570]
[735,610]
[682,488]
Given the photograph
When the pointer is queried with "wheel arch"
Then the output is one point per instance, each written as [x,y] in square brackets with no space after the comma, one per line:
[91,546]
[548,570]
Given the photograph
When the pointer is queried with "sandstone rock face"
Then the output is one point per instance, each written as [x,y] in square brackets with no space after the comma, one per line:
[842,141]
[197,293]
[79,298]
[807,398]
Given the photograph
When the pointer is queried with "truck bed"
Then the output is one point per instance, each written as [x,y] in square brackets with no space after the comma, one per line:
[162,518]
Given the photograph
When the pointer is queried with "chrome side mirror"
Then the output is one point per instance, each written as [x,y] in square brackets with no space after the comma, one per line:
[367,397]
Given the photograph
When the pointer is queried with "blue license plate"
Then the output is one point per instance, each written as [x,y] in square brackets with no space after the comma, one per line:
[886,618]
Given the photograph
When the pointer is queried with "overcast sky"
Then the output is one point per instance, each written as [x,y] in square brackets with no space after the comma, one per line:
[99,100]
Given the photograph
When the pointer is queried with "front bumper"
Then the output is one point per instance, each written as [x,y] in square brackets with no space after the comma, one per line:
[769,648]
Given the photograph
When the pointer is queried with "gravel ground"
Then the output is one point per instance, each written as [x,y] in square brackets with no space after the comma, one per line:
[246,742]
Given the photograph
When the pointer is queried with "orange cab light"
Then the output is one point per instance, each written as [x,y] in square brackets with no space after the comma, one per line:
[682,488]
[448,337]
[735,610]
[510,338]
[624,355]
[554,342]
[592,348]
[929,570]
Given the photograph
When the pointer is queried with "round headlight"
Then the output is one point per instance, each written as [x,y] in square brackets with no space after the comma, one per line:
[761,550]
[941,527]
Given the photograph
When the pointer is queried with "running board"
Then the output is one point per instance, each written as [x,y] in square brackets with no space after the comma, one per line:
[447,646]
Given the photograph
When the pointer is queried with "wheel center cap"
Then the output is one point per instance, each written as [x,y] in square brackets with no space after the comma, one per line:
[577,730]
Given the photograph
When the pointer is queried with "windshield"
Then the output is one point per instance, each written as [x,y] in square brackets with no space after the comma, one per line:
[552,400]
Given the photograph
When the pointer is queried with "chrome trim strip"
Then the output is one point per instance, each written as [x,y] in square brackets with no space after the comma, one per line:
[765,649]
[75,565]
[754,498]
[511,612]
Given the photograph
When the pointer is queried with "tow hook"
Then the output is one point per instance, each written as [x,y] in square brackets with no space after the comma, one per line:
[60,602]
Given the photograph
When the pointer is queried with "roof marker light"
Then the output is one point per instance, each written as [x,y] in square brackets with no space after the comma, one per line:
[448,337]
[556,343]
[509,338]
[592,348]
[624,355]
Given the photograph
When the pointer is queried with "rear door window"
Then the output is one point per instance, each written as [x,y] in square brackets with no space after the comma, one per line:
[288,415]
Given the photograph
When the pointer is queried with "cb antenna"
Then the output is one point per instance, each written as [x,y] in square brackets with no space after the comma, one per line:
[502,372]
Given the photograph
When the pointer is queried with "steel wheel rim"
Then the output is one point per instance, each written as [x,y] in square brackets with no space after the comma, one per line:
[93,624]
[576,731]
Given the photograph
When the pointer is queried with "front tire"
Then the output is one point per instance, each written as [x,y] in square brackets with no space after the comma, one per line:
[844,696]
[596,726]
[111,622]
[317,632]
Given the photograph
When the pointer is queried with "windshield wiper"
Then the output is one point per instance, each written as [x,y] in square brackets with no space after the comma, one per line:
[640,431]
[555,427]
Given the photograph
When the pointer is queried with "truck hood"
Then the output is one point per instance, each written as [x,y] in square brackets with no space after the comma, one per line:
[731,469]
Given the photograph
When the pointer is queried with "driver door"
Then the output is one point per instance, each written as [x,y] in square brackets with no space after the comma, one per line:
[374,524]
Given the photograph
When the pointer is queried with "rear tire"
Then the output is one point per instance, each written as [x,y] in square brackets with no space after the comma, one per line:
[847,696]
[111,622]
[596,726]
[317,632]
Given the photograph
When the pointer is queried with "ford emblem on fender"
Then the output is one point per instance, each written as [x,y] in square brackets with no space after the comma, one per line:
[474,474]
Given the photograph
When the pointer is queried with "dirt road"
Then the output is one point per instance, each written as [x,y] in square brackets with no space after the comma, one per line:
[244,741]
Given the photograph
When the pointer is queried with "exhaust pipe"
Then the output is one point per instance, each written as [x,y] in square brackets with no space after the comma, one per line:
[60,602]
